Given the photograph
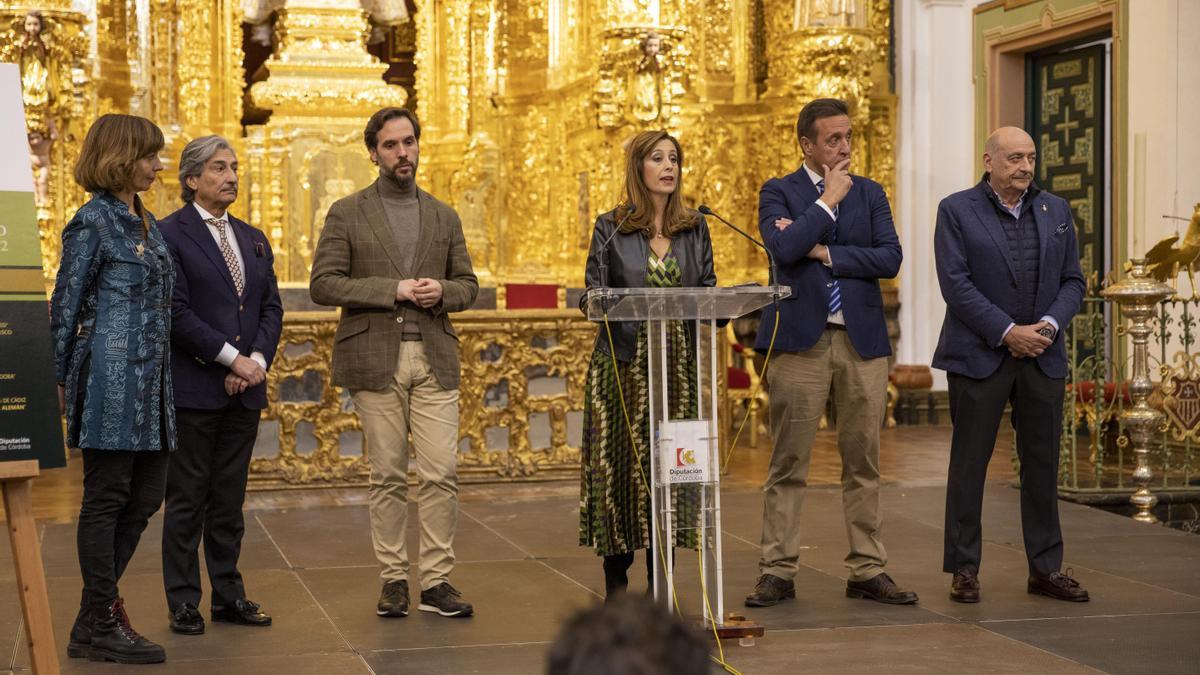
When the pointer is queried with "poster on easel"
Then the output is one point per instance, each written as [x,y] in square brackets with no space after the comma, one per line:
[30,424]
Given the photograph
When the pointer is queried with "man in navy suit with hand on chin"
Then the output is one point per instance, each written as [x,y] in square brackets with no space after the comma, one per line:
[833,238]
[1008,265]
[226,319]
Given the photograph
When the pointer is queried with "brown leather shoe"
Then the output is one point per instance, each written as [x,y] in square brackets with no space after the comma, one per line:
[770,590]
[965,587]
[880,588]
[1058,586]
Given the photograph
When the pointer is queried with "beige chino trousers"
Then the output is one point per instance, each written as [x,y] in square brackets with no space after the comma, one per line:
[800,384]
[413,402]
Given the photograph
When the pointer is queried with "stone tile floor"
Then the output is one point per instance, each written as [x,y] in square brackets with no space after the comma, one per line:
[307,558]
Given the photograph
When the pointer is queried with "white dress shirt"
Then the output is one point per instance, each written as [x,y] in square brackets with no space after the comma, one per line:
[228,352]
[815,177]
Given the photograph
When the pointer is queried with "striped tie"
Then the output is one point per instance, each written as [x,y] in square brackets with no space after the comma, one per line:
[835,291]
[230,259]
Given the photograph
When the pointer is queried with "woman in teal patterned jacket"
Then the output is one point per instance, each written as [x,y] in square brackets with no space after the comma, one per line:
[111,323]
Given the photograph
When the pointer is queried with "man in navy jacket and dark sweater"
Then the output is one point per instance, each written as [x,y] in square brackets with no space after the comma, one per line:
[1008,265]
[226,318]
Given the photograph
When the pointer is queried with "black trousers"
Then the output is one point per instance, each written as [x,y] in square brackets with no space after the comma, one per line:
[976,408]
[206,487]
[121,490]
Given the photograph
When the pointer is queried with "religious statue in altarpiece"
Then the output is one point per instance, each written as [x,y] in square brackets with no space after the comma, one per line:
[32,50]
[647,85]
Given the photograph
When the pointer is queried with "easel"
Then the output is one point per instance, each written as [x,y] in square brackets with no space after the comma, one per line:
[16,478]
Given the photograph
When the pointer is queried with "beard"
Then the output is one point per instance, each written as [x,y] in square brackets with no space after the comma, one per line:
[404,180]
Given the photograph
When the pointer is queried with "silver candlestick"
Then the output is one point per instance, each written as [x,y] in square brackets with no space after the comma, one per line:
[1138,295]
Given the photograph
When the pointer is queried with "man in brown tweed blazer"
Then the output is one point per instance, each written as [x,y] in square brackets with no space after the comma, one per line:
[395,260]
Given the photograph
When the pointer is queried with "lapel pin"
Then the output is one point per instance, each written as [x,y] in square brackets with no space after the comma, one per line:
[1043,208]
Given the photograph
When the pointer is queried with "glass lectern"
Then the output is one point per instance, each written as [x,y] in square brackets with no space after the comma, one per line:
[685,452]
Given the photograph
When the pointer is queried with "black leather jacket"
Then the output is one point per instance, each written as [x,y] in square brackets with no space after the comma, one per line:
[627,255]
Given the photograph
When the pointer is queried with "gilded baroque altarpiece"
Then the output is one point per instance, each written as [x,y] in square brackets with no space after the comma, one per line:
[525,106]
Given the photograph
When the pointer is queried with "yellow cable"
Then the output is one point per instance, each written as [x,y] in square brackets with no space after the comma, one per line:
[720,658]
[637,453]
[646,484]
[753,397]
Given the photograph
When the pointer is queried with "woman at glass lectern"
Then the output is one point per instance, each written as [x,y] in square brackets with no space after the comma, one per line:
[110,319]
[653,241]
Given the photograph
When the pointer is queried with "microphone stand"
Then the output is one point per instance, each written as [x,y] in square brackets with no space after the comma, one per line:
[602,267]
[771,269]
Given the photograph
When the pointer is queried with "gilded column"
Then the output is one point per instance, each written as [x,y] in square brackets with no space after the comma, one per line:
[822,48]
[322,87]
[115,22]
[209,67]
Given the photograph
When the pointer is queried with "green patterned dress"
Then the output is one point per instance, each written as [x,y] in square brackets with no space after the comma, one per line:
[614,509]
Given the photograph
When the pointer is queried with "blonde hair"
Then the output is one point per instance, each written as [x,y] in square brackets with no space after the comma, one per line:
[676,217]
[112,148]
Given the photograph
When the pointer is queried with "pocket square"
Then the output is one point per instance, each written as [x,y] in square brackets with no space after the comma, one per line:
[1062,227]
[259,251]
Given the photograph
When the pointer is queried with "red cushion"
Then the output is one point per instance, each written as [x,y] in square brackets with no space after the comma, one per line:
[1085,392]
[531,296]
[736,378]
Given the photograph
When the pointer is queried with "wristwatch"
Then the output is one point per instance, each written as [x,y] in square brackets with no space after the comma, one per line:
[1046,331]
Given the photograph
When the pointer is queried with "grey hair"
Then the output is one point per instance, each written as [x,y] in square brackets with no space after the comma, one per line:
[193,158]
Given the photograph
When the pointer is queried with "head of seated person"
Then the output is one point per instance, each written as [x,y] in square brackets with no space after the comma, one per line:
[628,635]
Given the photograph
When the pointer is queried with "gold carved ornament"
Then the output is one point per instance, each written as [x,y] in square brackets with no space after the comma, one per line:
[306,351]
[1180,390]
[1165,260]
[503,351]
[52,59]
[499,352]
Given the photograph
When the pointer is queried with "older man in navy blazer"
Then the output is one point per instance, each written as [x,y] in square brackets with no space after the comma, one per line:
[226,321]
[1008,265]
[833,238]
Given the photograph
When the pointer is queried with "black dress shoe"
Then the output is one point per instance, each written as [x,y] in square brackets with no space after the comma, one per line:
[241,611]
[880,588]
[965,586]
[186,620]
[1058,586]
[770,590]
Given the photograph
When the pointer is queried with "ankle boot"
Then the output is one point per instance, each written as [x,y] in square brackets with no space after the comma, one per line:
[114,639]
[616,577]
[81,634]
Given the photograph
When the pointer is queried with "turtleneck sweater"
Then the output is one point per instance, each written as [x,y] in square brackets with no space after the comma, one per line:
[404,215]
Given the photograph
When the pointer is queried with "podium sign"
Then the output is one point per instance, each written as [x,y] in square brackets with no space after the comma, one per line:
[684,452]
[30,425]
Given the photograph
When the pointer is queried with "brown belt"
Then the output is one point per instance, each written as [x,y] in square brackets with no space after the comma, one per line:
[829,325]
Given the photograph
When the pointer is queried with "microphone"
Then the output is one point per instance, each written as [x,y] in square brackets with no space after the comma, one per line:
[603,266]
[770,258]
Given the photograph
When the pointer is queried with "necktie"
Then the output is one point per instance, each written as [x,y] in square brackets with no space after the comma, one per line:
[835,291]
[230,259]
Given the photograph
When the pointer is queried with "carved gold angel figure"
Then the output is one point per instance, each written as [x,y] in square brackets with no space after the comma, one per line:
[1165,261]
[38,87]
[647,81]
